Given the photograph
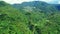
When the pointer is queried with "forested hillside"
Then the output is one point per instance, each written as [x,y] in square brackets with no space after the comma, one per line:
[39,6]
[29,19]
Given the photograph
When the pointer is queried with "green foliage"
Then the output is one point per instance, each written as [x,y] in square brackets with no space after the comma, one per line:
[27,21]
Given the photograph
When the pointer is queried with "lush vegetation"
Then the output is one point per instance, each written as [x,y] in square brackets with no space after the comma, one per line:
[28,20]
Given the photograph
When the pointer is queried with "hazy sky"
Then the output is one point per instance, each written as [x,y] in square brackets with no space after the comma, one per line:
[20,1]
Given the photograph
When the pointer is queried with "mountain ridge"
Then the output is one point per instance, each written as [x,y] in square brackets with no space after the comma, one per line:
[47,8]
[34,3]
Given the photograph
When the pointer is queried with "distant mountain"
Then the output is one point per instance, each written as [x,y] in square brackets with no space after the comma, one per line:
[2,3]
[43,6]
[57,6]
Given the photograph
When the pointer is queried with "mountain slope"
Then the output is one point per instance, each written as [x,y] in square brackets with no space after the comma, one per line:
[11,20]
[2,3]
[43,6]
[57,6]
[28,20]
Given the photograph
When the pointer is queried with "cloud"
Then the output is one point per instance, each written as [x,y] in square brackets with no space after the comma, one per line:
[59,2]
[13,1]
[16,1]
[20,1]
[52,1]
